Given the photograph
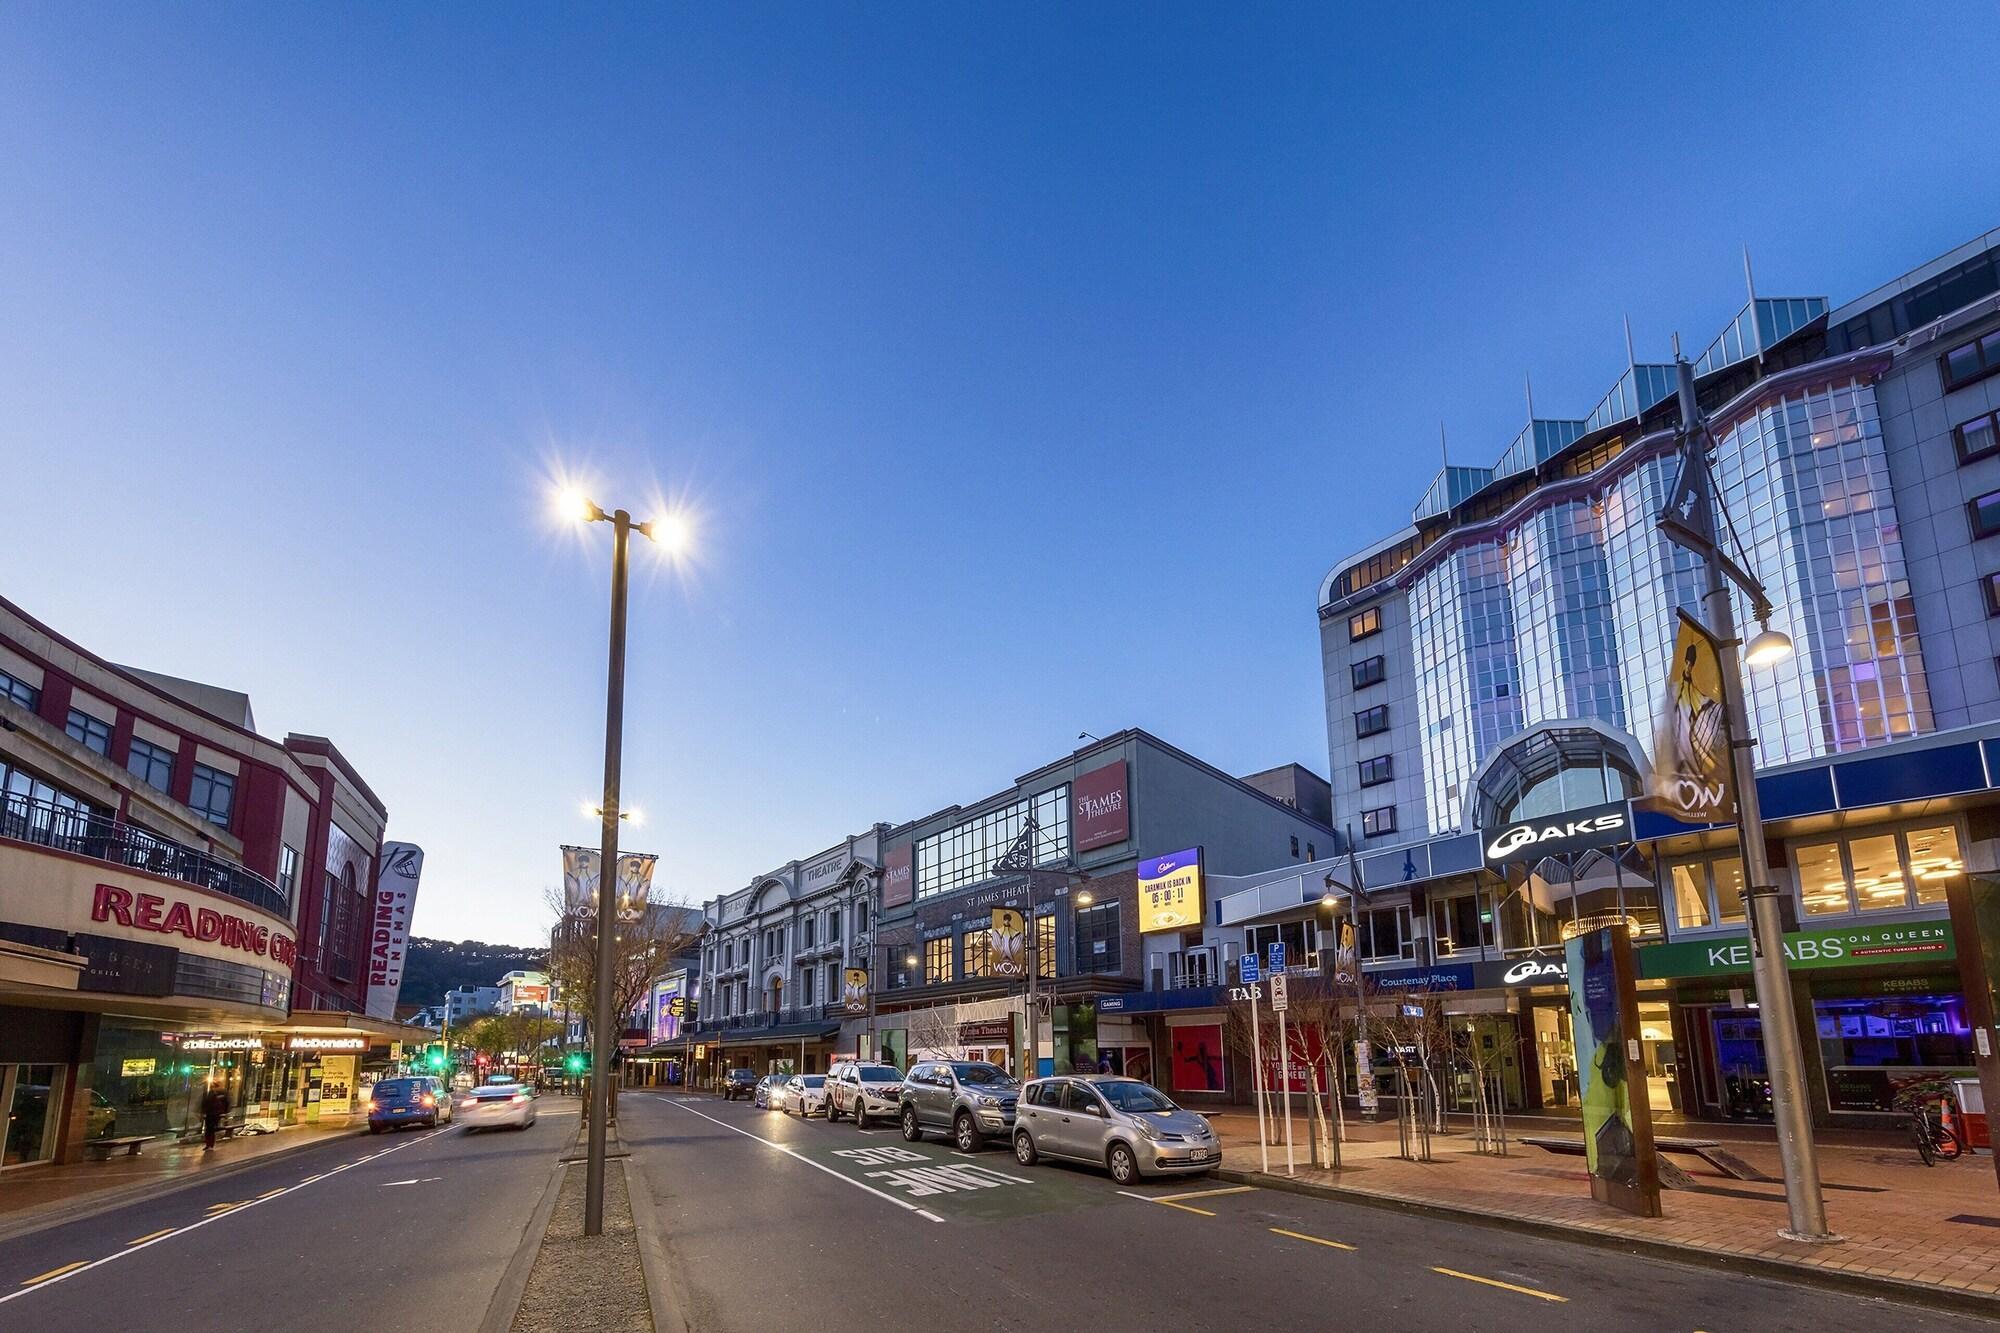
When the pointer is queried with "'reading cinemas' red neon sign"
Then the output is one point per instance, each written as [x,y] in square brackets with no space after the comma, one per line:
[149,911]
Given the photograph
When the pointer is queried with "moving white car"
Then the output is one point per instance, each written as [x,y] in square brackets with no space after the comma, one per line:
[498,1104]
[803,1095]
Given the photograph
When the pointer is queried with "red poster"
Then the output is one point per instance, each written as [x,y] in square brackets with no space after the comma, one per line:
[1100,814]
[899,881]
[1306,1052]
[1198,1058]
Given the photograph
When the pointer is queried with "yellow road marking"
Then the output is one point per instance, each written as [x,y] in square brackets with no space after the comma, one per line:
[1164,1203]
[1300,1235]
[155,1236]
[55,1272]
[1505,1286]
[1203,1194]
[225,1207]
[270,1194]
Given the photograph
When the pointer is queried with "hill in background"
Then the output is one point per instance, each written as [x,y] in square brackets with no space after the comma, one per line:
[432,967]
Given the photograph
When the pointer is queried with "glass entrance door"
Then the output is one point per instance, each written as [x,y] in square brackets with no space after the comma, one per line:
[32,1095]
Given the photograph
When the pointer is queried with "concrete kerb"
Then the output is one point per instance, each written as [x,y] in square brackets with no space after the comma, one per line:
[660,1297]
[105,1201]
[513,1288]
[1784,1270]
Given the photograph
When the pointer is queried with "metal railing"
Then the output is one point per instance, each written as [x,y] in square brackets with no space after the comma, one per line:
[771,1018]
[103,838]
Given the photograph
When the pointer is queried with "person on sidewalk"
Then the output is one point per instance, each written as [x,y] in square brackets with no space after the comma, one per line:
[214,1105]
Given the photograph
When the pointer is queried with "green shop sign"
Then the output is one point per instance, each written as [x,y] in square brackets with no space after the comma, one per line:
[1851,946]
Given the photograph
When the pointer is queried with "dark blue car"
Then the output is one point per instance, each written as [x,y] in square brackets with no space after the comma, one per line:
[402,1101]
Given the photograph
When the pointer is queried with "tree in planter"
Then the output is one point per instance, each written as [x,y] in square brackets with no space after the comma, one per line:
[1317,1024]
[1418,1037]
[1239,1037]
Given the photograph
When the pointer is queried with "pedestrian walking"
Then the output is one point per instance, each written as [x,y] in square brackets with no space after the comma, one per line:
[214,1105]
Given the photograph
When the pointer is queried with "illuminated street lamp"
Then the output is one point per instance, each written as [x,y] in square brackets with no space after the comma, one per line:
[672,534]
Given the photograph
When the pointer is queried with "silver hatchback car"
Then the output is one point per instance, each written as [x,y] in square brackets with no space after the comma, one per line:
[1123,1124]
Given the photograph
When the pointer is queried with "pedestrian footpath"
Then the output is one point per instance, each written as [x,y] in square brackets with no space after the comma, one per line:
[1906,1227]
[43,1196]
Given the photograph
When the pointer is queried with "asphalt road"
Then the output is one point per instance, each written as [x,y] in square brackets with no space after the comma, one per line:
[772,1222]
[421,1222]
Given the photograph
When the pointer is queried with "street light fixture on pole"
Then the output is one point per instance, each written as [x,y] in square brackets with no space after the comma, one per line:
[1690,521]
[602,1040]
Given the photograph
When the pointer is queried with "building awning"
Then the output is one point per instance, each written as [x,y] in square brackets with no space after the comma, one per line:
[793,1032]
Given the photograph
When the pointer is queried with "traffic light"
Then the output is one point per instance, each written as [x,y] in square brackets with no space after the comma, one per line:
[576,1063]
[435,1058]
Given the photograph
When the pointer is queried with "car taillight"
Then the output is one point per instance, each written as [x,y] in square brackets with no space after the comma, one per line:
[518,1097]
[430,1100]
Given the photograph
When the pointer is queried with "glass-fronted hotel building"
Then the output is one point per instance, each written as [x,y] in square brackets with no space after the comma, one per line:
[1504,656]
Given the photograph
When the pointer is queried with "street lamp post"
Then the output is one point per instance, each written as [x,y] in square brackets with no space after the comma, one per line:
[1691,521]
[1032,1066]
[602,1040]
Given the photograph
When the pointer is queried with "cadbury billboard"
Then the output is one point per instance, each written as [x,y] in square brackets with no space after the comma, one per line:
[1100,813]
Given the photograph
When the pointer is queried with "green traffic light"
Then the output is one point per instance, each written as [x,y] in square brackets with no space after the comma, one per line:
[574,1062]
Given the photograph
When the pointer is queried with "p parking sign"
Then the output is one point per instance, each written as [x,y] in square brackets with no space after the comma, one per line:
[1247,967]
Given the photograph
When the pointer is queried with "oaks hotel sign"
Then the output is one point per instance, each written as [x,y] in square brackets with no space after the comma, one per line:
[1548,835]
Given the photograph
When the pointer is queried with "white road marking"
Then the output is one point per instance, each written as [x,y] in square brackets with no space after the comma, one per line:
[413,1180]
[797,1156]
[230,1211]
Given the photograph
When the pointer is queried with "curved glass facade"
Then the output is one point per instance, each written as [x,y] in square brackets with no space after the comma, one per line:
[1571,612]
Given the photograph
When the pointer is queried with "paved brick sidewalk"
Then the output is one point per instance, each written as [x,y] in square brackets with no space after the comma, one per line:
[1903,1222]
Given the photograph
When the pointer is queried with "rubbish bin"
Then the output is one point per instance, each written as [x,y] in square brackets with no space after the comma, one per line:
[1972,1109]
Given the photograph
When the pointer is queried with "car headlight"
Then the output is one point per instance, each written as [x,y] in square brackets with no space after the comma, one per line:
[984,1099]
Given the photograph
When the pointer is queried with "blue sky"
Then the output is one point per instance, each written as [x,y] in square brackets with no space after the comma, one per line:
[1026,369]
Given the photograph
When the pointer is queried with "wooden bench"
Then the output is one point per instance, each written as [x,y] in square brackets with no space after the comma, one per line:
[101,1149]
[1709,1150]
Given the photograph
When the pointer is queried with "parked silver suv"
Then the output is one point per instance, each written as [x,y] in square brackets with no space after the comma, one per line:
[1120,1123]
[968,1098]
[862,1089]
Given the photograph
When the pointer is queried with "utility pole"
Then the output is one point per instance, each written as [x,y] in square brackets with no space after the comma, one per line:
[1690,520]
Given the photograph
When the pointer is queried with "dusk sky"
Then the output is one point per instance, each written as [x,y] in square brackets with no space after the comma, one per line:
[1024,370]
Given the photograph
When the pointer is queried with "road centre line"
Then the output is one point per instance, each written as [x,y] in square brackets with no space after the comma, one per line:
[154,1236]
[1317,1240]
[1165,1203]
[69,1271]
[797,1156]
[1203,1194]
[1504,1286]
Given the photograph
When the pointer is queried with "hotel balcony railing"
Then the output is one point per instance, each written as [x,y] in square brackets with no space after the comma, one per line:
[771,1018]
[103,838]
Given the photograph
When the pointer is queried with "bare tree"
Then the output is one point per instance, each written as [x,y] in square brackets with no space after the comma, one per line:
[644,950]
[934,1029]
[1420,1045]
[1246,1032]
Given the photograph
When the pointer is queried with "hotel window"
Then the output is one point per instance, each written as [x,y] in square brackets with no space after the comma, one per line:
[899,973]
[937,961]
[1295,844]
[1364,623]
[1984,514]
[1300,938]
[1097,938]
[1371,721]
[20,691]
[1369,671]
[975,954]
[1045,945]
[1374,823]
[88,731]
[1992,585]
[1377,770]
[1970,361]
[151,764]
[212,794]
[1708,893]
[1461,924]
[288,870]
[1384,935]
[1977,438]
[1882,872]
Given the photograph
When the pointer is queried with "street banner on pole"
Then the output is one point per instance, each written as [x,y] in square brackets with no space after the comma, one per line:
[635,881]
[1692,762]
[1604,1023]
[854,990]
[389,933]
[1007,939]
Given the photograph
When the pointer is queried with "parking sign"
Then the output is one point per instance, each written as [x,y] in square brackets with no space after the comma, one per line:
[1277,956]
[1247,964]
